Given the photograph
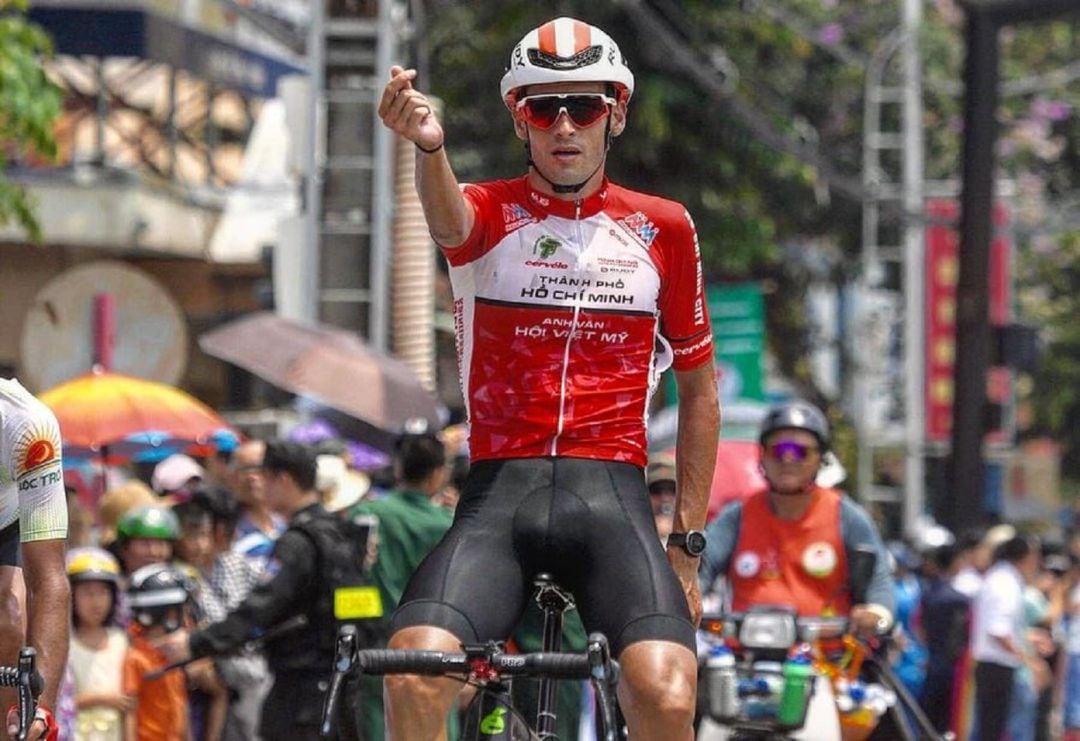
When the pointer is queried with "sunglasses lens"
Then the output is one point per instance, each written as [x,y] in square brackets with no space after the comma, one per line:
[542,112]
[584,110]
[788,449]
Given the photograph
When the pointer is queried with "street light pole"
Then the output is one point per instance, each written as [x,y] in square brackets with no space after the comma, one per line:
[313,184]
[964,505]
[914,270]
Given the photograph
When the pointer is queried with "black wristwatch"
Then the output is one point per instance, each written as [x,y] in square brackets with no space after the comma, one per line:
[692,541]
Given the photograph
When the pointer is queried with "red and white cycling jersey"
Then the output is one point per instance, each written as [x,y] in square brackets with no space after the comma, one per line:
[566,313]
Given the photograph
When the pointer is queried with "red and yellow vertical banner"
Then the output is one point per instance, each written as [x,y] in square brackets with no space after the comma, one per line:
[942,272]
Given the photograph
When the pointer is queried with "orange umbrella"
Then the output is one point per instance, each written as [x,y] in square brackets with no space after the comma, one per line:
[101,409]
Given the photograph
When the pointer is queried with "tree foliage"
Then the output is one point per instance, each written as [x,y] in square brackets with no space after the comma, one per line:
[1051,299]
[29,105]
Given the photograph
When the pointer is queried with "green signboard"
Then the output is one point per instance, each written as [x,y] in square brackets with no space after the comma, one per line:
[737,313]
[738,321]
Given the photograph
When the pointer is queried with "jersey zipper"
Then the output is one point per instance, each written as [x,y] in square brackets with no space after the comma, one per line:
[569,336]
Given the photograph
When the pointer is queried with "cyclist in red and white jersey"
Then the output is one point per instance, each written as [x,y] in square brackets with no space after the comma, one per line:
[33,529]
[572,295]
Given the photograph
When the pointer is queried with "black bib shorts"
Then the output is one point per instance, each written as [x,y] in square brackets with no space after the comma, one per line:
[586,522]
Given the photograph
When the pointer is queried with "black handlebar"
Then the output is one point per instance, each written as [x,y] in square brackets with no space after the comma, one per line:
[488,662]
[437,663]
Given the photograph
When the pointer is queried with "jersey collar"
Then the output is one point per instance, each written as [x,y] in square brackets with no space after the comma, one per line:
[590,206]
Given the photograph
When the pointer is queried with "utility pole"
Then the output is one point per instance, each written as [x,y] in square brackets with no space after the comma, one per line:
[310,257]
[914,267]
[985,18]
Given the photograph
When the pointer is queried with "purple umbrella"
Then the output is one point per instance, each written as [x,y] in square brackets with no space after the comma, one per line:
[364,457]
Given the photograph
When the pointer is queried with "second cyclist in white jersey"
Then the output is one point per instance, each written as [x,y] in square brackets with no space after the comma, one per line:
[33,528]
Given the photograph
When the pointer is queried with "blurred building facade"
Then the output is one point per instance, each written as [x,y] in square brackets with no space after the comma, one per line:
[190,151]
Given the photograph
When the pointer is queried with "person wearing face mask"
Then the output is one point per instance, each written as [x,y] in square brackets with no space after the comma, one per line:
[793,543]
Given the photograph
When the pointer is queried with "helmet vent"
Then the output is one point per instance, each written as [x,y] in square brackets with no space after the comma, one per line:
[583,58]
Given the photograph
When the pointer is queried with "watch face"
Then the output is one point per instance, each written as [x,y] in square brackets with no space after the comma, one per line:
[695,542]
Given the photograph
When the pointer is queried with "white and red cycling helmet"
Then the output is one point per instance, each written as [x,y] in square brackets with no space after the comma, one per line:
[566,50]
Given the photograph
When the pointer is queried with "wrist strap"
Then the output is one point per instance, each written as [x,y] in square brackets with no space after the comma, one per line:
[430,151]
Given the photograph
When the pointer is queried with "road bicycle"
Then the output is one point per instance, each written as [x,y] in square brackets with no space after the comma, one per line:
[491,714]
[25,678]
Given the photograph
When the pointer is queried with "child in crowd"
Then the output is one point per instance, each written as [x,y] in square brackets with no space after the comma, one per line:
[158,596]
[1069,699]
[97,650]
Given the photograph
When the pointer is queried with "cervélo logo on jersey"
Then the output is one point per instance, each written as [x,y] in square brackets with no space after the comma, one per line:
[640,226]
[544,248]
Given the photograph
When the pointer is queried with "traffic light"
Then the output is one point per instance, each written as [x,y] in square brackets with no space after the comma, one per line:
[1016,346]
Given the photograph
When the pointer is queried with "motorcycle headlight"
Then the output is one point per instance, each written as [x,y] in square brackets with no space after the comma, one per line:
[767,630]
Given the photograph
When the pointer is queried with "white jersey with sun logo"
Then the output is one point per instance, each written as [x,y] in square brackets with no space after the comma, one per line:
[31,475]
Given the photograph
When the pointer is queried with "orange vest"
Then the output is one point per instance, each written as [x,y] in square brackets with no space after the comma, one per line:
[800,564]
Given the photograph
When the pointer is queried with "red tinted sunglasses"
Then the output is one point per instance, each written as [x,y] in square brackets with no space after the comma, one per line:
[782,449]
[584,109]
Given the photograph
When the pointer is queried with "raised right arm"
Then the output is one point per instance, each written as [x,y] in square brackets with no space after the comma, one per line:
[407,112]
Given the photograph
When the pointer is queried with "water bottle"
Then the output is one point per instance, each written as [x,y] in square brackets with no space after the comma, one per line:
[845,703]
[798,674]
[723,683]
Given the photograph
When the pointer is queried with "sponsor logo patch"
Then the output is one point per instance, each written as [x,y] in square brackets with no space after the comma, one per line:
[819,559]
[546,246]
[747,564]
[638,224]
[516,216]
[557,265]
[35,449]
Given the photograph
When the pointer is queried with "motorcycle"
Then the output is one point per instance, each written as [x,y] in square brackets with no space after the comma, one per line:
[769,674]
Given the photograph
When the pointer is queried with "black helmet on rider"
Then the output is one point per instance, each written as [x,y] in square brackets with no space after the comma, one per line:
[797,415]
[158,595]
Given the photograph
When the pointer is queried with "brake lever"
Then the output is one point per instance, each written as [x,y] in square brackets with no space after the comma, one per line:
[344,663]
[30,685]
[604,675]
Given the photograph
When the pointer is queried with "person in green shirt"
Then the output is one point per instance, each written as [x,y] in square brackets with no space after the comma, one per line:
[409,524]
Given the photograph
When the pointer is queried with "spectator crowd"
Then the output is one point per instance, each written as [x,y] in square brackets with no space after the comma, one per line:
[987,630]
[987,633]
[186,548]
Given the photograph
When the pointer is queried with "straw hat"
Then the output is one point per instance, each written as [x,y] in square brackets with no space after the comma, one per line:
[117,502]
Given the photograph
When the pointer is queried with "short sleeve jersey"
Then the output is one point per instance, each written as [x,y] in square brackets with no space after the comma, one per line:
[31,475]
[566,313]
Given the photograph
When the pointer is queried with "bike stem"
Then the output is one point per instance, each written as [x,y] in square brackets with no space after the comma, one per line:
[554,602]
